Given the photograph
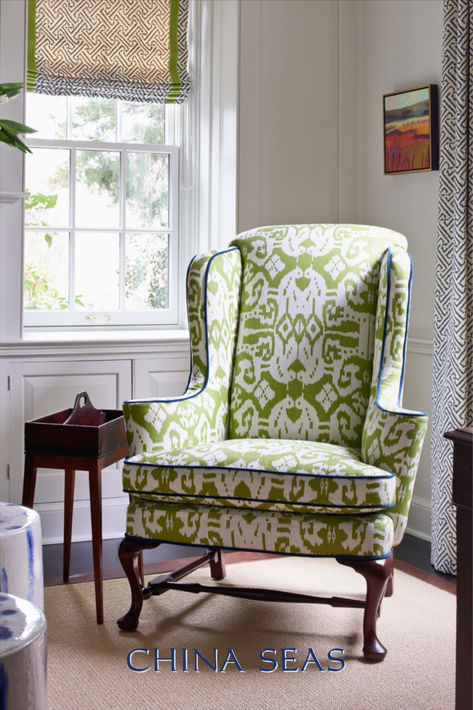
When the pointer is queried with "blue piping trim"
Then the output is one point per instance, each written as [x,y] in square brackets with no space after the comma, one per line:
[254,500]
[269,552]
[188,321]
[385,327]
[262,470]
[195,394]
[380,373]
[404,352]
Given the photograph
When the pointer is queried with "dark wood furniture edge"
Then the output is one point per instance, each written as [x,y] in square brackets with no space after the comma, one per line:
[462,475]
[376,573]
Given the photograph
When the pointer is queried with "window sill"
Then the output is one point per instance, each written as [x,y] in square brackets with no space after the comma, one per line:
[98,343]
[57,337]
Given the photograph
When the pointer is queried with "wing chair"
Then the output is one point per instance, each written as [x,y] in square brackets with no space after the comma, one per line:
[291,437]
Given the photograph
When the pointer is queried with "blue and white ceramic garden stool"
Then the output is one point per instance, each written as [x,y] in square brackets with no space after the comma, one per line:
[23,683]
[21,562]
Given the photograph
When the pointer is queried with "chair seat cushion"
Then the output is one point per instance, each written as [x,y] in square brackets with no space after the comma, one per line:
[368,536]
[265,474]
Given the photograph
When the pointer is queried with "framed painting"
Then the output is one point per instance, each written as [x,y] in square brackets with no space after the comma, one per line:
[411,132]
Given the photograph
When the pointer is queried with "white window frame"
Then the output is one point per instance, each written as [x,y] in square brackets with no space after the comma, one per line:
[207,166]
[91,318]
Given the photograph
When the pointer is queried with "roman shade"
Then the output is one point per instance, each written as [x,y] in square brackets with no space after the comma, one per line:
[118,49]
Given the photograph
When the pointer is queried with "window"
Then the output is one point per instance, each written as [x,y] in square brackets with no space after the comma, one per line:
[203,131]
[101,216]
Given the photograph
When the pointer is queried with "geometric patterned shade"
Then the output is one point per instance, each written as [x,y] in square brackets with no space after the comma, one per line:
[133,50]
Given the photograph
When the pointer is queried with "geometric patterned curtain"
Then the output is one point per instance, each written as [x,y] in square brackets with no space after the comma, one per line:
[453,321]
[134,50]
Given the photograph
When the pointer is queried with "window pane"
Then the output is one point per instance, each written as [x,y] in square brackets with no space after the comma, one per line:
[96,270]
[47,181]
[97,188]
[146,271]
[141,123]
[93,119]
[46,270]
[47,114]
[147,192]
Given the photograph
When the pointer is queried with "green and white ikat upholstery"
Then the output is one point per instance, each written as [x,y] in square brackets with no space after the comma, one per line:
[262,531]
[290,436]
[264,474]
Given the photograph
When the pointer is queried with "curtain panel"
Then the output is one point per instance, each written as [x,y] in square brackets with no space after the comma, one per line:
[453,320]
[119,49]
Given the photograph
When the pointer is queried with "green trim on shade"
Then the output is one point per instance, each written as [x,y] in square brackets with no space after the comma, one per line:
[31,71]
[174,52]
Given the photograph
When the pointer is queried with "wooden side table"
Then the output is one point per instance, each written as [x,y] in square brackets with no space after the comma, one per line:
[462,499]
[84,439]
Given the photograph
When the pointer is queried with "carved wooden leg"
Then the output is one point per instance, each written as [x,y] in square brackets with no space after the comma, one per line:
[141,570]
[217,565]
[129,554]
[376,573]
[390,584]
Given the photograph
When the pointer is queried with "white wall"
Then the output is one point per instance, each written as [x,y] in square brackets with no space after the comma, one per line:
[398,46]
[288,132]
[315,152]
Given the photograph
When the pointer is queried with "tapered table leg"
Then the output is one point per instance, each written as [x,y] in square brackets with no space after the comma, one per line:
[69,481]
[95,487]
[29,481]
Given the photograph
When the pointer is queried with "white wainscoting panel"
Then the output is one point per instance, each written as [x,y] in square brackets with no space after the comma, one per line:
[418,395]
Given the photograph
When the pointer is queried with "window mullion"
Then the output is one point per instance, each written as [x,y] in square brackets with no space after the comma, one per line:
[122,242]
[72,223]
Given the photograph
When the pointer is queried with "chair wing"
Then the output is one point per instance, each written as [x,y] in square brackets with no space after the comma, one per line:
[201,414]
[393,436]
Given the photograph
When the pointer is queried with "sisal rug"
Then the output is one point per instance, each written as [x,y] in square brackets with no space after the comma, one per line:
[87,664]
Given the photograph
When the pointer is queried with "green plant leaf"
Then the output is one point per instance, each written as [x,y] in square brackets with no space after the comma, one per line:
[48,239]
[10,138]
[16,127]
[10,89]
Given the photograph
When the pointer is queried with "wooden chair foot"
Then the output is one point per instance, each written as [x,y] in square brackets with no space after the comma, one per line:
[376,573]
[217,565]
[129,553]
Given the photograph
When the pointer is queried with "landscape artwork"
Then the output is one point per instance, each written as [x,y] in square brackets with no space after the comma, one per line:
[411,130]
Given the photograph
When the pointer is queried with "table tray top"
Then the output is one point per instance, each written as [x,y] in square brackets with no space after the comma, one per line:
[51,435]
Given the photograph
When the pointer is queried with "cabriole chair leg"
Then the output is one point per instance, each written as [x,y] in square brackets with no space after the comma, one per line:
[129,553]
[377,573]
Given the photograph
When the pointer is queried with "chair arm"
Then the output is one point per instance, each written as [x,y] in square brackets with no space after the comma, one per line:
[392,440]
[200,415]
[170,423]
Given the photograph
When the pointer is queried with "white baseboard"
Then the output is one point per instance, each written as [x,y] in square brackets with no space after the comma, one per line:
[419,518]
[52,515]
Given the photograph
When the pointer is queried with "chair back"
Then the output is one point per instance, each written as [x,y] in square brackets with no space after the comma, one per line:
[304,352]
